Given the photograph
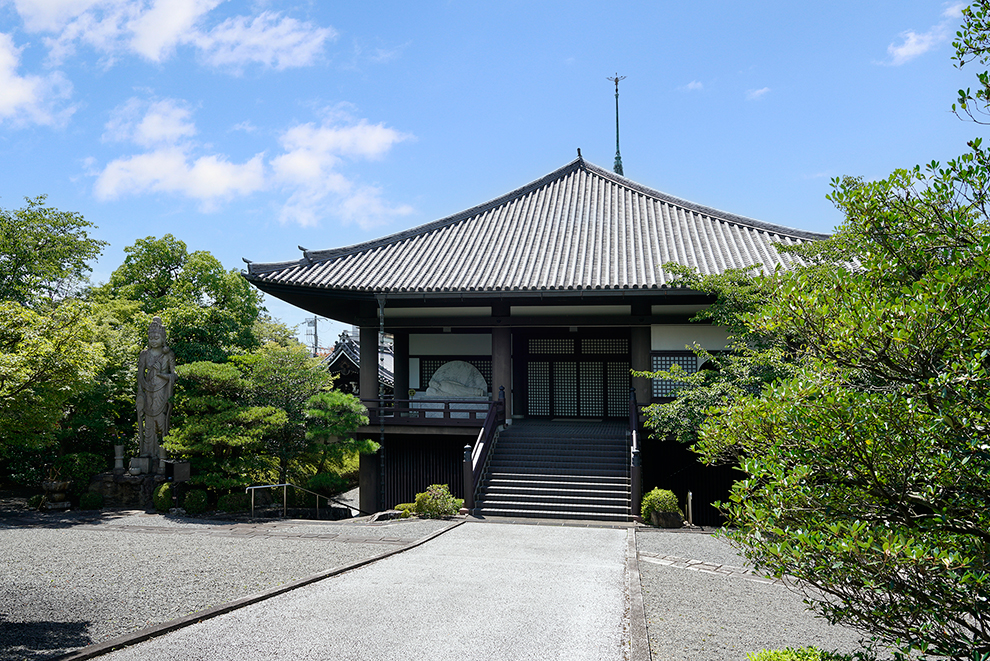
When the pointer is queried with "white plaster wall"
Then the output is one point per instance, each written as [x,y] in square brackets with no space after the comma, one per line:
[680,337]
[450,344]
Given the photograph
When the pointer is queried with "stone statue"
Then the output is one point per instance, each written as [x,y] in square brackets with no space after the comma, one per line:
[155,383]
[457,379]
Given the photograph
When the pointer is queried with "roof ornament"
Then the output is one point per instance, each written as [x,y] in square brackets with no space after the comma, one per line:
[617,168]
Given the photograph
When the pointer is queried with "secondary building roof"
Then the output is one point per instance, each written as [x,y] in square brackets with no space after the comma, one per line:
[579,228]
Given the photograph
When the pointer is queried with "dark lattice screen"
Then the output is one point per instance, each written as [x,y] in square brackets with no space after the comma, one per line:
[565,389]
[604,345]
[428,366]
[618,388]
[591,389]
[538,387]
[546,345]
[664,361]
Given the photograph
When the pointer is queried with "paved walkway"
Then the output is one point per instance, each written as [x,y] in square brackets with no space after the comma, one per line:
[478,591]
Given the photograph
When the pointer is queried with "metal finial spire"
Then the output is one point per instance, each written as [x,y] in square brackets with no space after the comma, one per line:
[617,168]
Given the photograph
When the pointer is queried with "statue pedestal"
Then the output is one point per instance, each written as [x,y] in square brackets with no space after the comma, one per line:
[140,466]
[130,491]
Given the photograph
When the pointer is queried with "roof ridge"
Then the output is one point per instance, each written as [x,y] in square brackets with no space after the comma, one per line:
[316,256]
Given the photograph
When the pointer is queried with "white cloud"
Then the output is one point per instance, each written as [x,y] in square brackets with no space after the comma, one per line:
[310,169]
[752,95]
[913,44]
[310,166]
[209,179]
[695,85]
[30,99]
[163,122]
[156,32]
[276,42]
[153,29]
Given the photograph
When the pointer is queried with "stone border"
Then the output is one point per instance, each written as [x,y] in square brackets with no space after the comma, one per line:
[154,631]
[636,627]
[706,567]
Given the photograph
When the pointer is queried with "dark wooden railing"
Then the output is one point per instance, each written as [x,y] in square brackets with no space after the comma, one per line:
[427,412]
[635,460]
[475,458]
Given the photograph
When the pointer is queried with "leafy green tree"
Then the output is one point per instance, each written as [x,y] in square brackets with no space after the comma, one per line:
[218,429]
[869,466]
[284,378]
[46,358]
[209,312]
[333,418]
[44,253]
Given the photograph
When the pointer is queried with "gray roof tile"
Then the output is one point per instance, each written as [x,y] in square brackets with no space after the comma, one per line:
[578,228]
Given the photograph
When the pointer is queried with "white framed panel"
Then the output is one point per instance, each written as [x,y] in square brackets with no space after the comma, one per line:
[681,337]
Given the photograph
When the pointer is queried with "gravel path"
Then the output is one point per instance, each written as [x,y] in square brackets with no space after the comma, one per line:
[68,582]
[703,604]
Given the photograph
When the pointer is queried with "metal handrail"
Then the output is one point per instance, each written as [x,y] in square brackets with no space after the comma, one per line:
[635,460]
[285,499]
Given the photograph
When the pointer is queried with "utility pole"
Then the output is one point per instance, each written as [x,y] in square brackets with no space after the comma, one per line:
[314,324]
[617,168]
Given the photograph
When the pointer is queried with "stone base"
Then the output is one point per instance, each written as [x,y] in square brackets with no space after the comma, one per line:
[126,490]
[49,506]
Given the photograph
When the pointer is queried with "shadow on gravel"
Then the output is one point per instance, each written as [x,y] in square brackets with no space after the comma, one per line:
[41,640]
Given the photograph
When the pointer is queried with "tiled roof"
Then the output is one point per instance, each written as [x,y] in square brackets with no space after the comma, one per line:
[578,228]
[348,349]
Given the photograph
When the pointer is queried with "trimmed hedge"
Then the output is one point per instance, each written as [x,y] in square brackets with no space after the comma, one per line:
[659,500]
[195,502]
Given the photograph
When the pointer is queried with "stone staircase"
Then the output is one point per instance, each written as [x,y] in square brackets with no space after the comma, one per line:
[562,470]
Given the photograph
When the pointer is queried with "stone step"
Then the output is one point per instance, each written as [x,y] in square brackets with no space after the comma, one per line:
[540,479]
[552,514]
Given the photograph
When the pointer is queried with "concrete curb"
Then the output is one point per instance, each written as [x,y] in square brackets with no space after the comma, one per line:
[154,631]
[639,637]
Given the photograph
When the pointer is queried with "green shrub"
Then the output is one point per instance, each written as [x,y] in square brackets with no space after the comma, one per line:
[163,497]
[659,500]
[788,654]
[79,467]
[436,502]
[91,501]
[195,502]
[407,509]
[808,654]
[328,484]
[34,502]
[234,502]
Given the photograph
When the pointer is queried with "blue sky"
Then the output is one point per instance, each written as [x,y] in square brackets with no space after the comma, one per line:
[249,128]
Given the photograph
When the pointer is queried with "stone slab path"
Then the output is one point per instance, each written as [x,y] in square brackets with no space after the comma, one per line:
[478,591]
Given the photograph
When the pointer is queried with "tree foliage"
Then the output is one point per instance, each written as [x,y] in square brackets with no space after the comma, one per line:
[44,252]
[217,428]
[284,378]
[333,418]
[869,466]
[45,360]
[210,312]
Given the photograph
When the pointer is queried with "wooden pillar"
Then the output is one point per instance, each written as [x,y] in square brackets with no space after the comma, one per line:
[502,366]
[368,381]
[369,483]
[400,364]
[640,361]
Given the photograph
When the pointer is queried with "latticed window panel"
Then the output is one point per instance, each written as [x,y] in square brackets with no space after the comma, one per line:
[551,345]
[429,366]
[618,388]
[538,387]
[592,389]
[565,389]
[664,361]
[604,345]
